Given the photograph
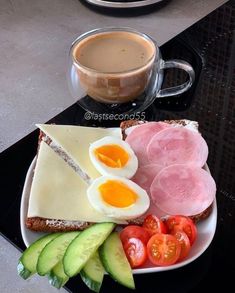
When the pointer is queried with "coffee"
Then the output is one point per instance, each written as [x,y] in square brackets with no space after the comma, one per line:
[119,65]
[114,52]
[115,66]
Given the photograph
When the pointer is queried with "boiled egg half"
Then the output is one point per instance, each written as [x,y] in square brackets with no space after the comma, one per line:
[113,156]
[118,197]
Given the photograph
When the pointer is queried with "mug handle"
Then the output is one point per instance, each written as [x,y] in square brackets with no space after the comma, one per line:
[179,89]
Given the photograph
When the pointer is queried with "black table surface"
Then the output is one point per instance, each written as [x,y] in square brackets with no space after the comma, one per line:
[212,104]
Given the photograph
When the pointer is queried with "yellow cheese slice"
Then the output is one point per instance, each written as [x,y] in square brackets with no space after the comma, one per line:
[58,192]
[75,141]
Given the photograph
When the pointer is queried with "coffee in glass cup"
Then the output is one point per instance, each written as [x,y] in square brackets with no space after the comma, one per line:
[112,67]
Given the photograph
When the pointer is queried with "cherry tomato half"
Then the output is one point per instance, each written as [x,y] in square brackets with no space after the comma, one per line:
[184,242]
[154,225]
[182,223]
[135,251]
[133,231]
[163,249]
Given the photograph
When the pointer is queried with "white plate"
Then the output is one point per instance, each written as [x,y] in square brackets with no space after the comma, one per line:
[206,230]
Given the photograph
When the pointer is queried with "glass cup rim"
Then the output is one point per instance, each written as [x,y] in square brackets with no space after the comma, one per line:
[107,30]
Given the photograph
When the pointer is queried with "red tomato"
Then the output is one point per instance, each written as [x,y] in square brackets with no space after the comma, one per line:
[182,223]
[184,242]
[154,225]
[135,251]
[133,231]
[163,249]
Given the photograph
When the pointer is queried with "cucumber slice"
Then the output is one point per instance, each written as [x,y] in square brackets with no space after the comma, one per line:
[115,262]
[92,273]
[28,261]
[57,276]
[53,252]
[84,246]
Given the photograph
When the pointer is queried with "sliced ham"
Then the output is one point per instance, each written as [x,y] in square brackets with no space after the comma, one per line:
[183,190]
[155,210]
[140,136]
[177,146]
[144,178]
[131,128]
[145,175]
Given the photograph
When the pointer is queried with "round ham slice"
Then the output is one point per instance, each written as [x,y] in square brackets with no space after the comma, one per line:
[140,136]
[144,178]
[177,146]
[183,190]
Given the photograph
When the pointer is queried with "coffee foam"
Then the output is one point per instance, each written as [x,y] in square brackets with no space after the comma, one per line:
[114,52]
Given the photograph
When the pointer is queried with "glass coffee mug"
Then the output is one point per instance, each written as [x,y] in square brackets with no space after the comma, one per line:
[120,70]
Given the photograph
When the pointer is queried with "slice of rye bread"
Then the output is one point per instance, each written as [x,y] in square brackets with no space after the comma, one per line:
[55,225]
[40,224]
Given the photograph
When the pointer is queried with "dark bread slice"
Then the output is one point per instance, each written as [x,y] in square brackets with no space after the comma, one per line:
[57,225]
[53,225]
[40,224]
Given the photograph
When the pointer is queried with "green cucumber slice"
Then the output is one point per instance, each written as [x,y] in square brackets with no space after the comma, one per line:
[84,246]
[115,262]
[92,273]
[57,276]
[53,252]
[28,261]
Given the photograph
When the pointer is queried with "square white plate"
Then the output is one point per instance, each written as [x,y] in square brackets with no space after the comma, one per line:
[206,230]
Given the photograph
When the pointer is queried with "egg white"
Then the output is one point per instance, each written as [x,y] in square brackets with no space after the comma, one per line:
[133,211]
[126,171]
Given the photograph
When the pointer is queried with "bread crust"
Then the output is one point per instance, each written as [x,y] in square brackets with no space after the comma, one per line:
[48,225]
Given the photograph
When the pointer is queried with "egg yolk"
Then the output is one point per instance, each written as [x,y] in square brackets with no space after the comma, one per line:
[117,194]
[112,155]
